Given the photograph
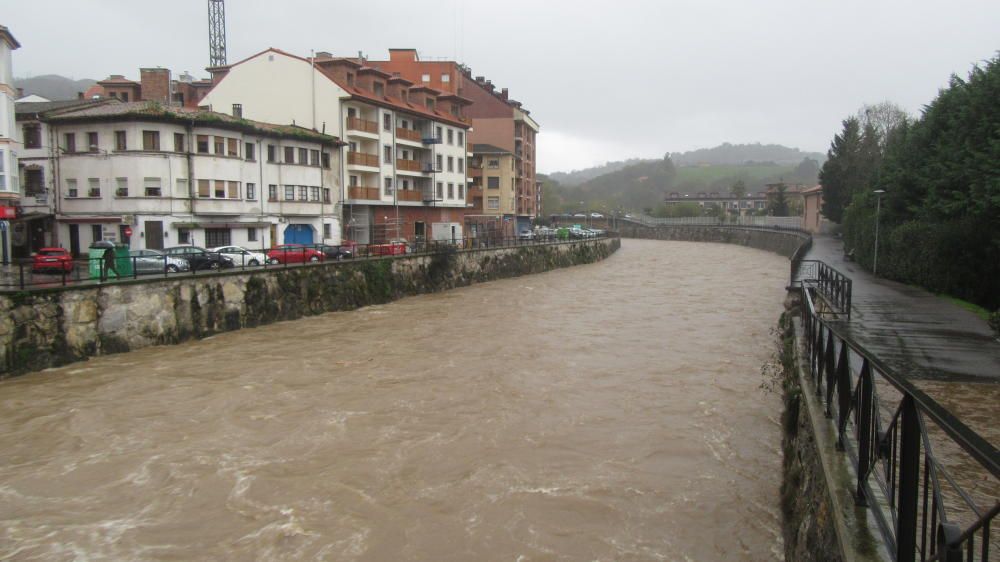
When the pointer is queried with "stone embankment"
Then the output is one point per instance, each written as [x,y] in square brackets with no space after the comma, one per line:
[46,328]
[783,242]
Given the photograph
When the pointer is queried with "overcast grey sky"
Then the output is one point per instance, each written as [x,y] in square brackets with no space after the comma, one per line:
[606,80]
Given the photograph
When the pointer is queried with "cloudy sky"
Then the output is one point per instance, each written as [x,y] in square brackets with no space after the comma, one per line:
[606,80]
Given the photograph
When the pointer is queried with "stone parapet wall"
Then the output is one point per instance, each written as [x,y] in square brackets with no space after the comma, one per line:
[780,242]
[47,328]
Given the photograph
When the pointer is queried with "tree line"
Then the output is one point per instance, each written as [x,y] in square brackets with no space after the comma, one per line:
[937,177]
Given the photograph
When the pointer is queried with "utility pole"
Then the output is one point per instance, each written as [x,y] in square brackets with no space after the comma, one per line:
[878,209]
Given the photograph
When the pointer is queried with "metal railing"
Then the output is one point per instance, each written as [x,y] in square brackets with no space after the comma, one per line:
[21,275]
[923,511]
[833,285]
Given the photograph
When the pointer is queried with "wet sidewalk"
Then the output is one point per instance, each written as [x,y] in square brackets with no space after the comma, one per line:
[913,331]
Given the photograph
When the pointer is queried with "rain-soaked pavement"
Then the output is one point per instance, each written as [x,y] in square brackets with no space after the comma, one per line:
[913,331]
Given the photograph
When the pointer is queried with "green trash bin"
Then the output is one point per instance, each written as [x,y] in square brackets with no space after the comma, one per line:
[562,234]
[95,260]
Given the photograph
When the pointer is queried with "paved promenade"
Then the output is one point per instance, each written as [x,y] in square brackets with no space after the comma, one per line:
[912,330]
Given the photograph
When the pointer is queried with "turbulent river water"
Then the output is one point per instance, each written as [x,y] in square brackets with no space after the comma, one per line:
[602,412]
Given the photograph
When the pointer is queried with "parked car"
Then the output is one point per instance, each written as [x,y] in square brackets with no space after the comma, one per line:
[293,253]
[394,247]
[526,235]
[200,258]
[52,259]
[333,252]
[241,256]
[596,216]
[153,261]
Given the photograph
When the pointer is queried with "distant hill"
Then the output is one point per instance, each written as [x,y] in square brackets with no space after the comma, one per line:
[731,154]
[53,86]
[576,177]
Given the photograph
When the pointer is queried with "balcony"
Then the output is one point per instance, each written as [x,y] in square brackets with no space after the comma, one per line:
[362,159]
[409,195]
[473,193]
[475,172]
[408,134]
[408,165]
[362,125]
[365,193]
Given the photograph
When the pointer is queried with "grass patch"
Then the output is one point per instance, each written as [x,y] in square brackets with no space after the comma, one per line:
[971,307]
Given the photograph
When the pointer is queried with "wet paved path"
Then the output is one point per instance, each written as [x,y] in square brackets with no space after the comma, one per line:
[910,329]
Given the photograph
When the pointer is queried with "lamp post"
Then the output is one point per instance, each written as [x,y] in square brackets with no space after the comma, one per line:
[878,209]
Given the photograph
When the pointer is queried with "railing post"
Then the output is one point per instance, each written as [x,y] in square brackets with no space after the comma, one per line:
[865,430]
[831,366]
[843,394]
[909,477]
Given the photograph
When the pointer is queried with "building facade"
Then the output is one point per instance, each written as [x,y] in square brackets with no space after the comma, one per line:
[493,203]
[155,84]
[154,176]
[9,182]
[405,157]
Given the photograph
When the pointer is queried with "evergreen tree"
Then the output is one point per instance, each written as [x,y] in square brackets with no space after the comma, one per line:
[840,171]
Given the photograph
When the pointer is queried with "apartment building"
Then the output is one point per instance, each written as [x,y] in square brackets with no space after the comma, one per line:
[405,156]
[152,176]
[497,120]
[155,84]
[9,183]
[492,192]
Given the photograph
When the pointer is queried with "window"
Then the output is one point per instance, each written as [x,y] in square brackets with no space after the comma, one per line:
[71,189]
[272,192]
[234,189]
[251,191]
[32,136]
[451,163]
[388,186]
[93,187]
[120,141]
[461,191]
[439,161]
[289,193]
[440,134]
[92,145]
[181,187]
[451,191]
[493,203]
[151,140]
[378,88]
[303,193]
[386,121]
[445,78]
[352,181]
[326,159]
[493,163]
[121,187]
[461,138]
[314,194]
[232,147]
[350,79]
[69,142]
[251,235]
[314,158]
[96,232]
[461,165]
[387,154]
[204,188]
[440,190]
[429,102]
[220,145]
[451,136]
[404,123]
[327,230]
[493,182]
[406,184]
[326,194]
[151,187]
[425,78]
[289,155]
[202,144]
[303,156]
[249,152]
[178,142]
[272,153]
[215,237]
[183,236]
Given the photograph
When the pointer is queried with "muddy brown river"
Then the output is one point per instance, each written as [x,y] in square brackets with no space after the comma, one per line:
[602,412]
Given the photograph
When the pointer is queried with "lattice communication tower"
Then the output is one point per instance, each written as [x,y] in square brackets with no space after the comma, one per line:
[216,33]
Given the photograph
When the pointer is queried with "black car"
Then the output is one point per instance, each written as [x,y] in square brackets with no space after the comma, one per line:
[200,258]
[333,252]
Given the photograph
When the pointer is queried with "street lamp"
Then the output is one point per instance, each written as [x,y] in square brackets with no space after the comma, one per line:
[878,209]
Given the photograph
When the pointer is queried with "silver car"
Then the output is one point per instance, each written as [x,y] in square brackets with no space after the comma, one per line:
[241,256]
[153,261]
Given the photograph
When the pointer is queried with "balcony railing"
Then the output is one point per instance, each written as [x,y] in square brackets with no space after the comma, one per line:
[409,195]
[408,165]
[366,193]
[408,134]
[362,159]
[364,125]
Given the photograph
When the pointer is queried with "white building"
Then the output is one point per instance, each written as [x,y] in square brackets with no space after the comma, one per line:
[404,171]
[170,176]
[9,183]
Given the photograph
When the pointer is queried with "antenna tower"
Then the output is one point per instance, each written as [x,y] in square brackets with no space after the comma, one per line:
[216,33]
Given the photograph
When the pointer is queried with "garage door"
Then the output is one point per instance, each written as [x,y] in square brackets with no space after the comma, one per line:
[298,234]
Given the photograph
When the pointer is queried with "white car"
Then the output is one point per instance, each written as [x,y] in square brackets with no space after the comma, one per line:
[241,256]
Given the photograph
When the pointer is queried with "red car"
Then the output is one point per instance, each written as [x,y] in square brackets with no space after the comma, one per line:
[52,259]
[293,253]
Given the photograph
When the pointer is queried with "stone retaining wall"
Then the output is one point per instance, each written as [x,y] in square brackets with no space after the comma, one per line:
[780,242]
[46,328]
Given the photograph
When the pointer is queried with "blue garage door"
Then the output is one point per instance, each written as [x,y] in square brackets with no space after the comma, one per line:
[299,234]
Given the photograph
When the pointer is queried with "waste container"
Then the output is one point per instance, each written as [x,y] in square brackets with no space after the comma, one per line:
[95,260]
[562,234]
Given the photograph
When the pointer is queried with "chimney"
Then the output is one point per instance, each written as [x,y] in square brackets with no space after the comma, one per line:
[503,94]
[79,95]
[480,79]
[20,92]
[238,110]
[155,84]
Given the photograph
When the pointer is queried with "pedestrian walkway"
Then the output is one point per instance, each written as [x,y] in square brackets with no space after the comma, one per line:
[913,331]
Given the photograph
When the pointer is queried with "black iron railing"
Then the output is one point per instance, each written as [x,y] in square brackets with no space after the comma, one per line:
[923,511]
[24,274]
[834,286]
